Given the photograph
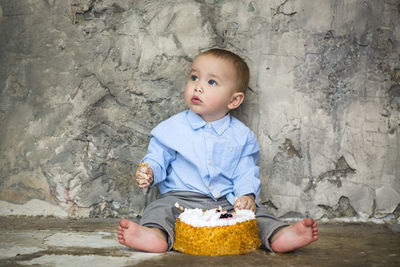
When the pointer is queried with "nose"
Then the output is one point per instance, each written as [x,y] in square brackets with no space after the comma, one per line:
[198,89]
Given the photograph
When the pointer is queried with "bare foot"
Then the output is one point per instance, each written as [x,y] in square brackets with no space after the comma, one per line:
[141,238]
[295,236]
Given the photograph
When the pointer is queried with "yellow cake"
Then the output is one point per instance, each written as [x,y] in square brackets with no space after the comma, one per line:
[210,234]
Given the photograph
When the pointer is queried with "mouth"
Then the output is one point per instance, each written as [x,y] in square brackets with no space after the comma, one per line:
[196,100]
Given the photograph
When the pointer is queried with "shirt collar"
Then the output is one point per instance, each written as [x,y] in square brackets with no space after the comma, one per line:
[219,126]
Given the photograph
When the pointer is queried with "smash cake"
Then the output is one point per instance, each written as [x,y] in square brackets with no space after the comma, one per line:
[216,232]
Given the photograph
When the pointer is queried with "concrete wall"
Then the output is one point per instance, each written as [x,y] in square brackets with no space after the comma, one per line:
[82,83]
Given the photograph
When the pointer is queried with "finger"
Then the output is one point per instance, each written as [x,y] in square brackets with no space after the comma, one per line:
[142,175]
[142,182]
[148,179]
[143,185]
[248,205]
[241,205]
[144,167]
[253,208]
[149,172]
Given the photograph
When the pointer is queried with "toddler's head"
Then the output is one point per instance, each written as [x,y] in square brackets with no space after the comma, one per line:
[240,66]
[217,83]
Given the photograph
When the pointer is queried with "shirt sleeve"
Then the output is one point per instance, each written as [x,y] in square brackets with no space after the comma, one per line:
[246,179]
[158,157]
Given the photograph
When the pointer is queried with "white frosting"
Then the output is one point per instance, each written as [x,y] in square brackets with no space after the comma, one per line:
[210,218]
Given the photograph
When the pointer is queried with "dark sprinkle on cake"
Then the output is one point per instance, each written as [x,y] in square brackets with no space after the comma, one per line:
[225,215]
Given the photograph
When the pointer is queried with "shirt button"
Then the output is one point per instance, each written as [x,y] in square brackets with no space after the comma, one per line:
[230,148]
[209,125]
[209,162]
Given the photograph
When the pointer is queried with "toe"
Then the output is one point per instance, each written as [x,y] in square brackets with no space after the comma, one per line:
[124,223]
[121,239]
[315,231]
[309,222]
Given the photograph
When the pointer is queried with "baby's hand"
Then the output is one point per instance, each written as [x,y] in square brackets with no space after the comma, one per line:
[144,175]
[245,203]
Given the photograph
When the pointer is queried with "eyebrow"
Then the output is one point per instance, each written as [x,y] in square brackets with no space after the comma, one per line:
[210,74]
[213,75]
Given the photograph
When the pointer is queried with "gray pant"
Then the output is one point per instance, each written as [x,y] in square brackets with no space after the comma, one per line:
[162,214]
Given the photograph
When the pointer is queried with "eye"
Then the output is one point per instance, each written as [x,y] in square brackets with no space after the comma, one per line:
[212,82]
[194,78]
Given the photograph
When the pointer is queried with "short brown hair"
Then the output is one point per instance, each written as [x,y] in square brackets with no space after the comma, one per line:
[240,65]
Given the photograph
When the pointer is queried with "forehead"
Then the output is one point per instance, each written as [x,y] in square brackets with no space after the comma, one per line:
[211,61]
[214,65]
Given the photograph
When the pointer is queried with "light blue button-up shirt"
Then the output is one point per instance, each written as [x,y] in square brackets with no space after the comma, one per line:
[216,159]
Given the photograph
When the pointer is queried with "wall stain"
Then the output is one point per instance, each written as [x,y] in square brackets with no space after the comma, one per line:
[342,170]
[342,209]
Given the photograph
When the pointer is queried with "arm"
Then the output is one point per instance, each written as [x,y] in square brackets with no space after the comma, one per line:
[246,184]
[153,168]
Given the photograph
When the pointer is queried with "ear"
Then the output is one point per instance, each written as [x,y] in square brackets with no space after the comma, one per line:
[236,100]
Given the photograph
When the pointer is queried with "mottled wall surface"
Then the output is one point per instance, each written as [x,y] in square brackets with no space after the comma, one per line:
[82,83]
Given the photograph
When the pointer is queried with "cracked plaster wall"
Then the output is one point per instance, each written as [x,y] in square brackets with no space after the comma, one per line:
[82,83]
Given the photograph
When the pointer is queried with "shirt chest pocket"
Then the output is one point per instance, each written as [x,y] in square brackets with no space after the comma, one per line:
[226,158]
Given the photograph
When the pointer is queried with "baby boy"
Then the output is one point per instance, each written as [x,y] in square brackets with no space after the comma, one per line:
[205,158]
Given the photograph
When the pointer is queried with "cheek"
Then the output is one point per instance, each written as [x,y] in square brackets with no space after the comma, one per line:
[221,101]
[213,100]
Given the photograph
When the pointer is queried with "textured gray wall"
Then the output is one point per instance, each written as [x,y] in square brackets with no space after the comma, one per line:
[82,83]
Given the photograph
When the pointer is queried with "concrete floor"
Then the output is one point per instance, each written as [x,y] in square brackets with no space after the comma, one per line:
[40,241]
